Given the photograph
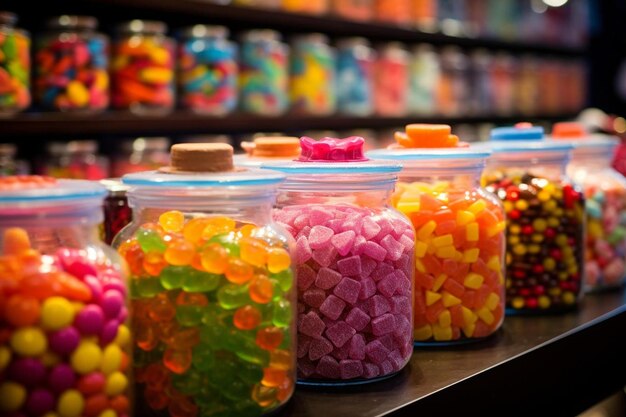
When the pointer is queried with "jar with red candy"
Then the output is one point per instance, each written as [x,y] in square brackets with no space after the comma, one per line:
[391,80]
[545,214]
[77,159]
[141,154]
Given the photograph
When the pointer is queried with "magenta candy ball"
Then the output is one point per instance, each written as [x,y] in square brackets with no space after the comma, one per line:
[27,371]
[109,331]
[80,268]
[113,282]
[95,286]
[61,378]
[111,303]
[123,315]
[39,402]
[64,341]
[90,320]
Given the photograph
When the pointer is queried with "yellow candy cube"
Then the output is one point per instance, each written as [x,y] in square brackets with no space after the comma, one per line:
[477,206]
[442,334]
[464,217]
[423,333]
[494,263]
[432,297]
[426,230]
[408,206]
[469,317]
[439,282]
[486,315]
[445,252]
[493,300]
[470,255]
[449,300]
[471,232]
[420,249]
[444,240]
[445,318]
[468,329]
[473,280]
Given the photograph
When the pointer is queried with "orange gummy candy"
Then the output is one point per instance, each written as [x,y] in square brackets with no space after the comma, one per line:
[247,318]
[15,241]
[238,272]
[269,338]
[261,290]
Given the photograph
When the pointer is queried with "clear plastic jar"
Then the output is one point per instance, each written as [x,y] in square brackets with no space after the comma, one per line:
[545,220]
[9,165]
[361,10]
[207,70]
[354,260]
[267,149]
[312,84]
[141,154]
[76,159]
[14,66]
[391,80]
[316,7]
[453,88]
[71,66]
[460,240]
[63,295]
[424,73]
[355,61]
[397,12]
[142,69]
[117,213]
[263,79]
[212,289]
[605,205]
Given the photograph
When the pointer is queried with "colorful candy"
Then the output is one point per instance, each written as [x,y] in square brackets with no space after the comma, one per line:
[391,81]
[71,66]
[263,79]
[142,70]
[207,70]
[317,7]
[355,77]
[393,11]
[77,159]
[312,75]
[424,73]
[14,65]
[362,10]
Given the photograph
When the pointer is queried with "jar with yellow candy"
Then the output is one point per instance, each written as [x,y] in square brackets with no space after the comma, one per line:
[545,214]
[459,249]
[212,289]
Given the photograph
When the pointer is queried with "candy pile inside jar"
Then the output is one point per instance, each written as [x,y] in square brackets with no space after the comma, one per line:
[545,219]
[354,271]
[63,339]
[460,240]
[14,65]
[212,316]
[605,205]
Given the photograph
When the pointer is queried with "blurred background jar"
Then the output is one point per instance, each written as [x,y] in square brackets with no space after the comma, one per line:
[316,7]
[14,66]
[396,12]
[77,159]
[265,4]
[142,69]
[391,80]
[207,70]
[9,165]
[424,73]
[424,15]
[453,94]
[355,61]
[361,10]
[141,154]
[527,85]
[502,80]
[71,65]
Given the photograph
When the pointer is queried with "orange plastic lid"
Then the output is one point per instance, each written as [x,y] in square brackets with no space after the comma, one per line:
[568,130]
[419,135]
[20,182]
[273,147]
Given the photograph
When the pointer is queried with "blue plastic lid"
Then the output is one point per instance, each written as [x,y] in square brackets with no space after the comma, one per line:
[421,154]
[58,192]
[238,178]
[517,133]
[523,139]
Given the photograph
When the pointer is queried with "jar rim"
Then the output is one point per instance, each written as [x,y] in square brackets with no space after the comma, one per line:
[62,192]
[137,26]
[202,180]
[205,31]
[72,22]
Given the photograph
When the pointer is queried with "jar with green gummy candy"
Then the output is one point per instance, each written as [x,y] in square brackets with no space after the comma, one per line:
[212,289]
[545,214]
[14,66]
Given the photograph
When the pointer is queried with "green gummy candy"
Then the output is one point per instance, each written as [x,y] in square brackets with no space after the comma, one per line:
[198,281]
[172,276]
[248,351]
[228,242]
[150,241]
[250,373]
[145,287]
[203,358]
[282,313]
[10,48]
[231,296]
[235,389]
[189,383]
[189,315]
[284,279]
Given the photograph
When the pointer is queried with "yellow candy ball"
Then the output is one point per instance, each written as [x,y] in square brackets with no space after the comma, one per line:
[12,396]
[172,221]
[543,301]
[29,341]
[116,384]
[277,260]
[568,297]
[5,357]
[86,358]
[71,404]
[56,313]
[108,413]
[123,336]
[111,359]
[517,303]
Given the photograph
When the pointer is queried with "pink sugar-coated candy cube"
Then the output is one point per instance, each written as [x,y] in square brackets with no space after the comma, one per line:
[342,352]
[370,370]
[325,255]
[305,277]
[396,359]
[403,262]
[406,349]
[386,367]
[332,307]
[357,347]
[388,341]
[339,333]
[287,228]
[370,228]
[303,251]
[401,304]
[350,368]
[304,342]
[301,307]
[350,266]
[381,271]
[357,318]
[320,215]
[398,228]
[387,286]
[393,247]
[320,236]
[374,251]
[343,242]
[353,222]
[301,221]
[358,245]
[285,216]
[306,368]
[319,348]
[403,331]
[368,288]
[312,325]
[404,284]
[328,367]
[378,305]
[376,351]
[327,278]
[368,265]
[348,290]
[314,297]
[407,242]
[384,324]
[304,232]
[335,224]
[385,228]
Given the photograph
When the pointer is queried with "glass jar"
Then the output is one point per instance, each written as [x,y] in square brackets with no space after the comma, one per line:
[77,159]
[397,12]
[268,149]
[316,7]
[141,154]
[142,70]
[527,92]
[14,66]
[71,66]
[453,88]
[355,60]
[391,80]
[360,10]
[354,258]
[263,79]
[63,295]
[212,289]
[312,84]
[605,204]
[8,164]
[459,248]
[207,70]
[117,213]
[482,87]
[424,70]
[503,82]
[545,220]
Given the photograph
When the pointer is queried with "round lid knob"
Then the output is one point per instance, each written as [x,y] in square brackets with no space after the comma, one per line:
[200,157]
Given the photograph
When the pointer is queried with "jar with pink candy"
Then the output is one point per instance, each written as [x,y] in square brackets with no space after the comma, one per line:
[354,259]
